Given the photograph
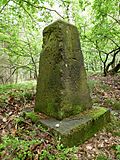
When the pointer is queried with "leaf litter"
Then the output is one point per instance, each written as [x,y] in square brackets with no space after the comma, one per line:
[13,123]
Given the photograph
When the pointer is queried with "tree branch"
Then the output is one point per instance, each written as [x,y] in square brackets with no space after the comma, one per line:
[16,68]
[43,7]
[4,6]
[28,13]
[115,69]
[113,42]
[113,60]
[114,50]
[114,19]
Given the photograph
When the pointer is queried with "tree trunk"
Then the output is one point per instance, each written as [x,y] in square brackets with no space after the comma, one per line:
[115,69]
[112,62]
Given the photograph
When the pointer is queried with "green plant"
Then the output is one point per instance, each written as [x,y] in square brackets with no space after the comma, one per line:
[118,151]
[47,155]
[19,120]
[116,105]
[113,103]
[16,148]
[63,152]
[101,157]
[114,125]
[92,84]
[21,92]
[104,86]
[32,115]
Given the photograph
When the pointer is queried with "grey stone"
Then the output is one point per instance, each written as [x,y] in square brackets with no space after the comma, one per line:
[62,91]
[62,88]
[77,129]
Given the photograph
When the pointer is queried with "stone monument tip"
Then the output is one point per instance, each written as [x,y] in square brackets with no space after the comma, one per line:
[58,23]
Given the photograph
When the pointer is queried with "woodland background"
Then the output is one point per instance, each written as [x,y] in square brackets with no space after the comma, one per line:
[21,24]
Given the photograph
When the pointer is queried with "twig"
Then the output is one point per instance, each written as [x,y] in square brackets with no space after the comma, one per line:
[113,42]
[28,13]
[7,124]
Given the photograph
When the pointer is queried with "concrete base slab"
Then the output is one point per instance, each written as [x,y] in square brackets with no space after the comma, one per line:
[75,130]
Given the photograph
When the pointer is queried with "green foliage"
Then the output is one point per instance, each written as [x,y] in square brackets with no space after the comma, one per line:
[31,115]
[64,152]
[16,148]
[116,105]
[19,41]
[118,151]
[2,2]
[24,86]
[113,126]
[92,84]
[19,120]
[12,93]
[23,21]
[101,157]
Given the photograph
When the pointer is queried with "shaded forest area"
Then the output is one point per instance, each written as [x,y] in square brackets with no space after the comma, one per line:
[21,27]
[22,23]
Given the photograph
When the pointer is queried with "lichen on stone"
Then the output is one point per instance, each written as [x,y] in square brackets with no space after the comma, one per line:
[62,88]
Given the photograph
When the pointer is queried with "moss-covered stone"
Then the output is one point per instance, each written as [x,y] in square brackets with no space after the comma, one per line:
[61,86]
[77,129]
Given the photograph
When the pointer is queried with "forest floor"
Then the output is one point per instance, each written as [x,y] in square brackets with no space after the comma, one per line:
[22,138]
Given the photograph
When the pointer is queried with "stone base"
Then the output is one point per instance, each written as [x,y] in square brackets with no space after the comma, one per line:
[75,130]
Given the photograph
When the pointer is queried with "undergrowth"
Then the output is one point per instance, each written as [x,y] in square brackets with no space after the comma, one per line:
[15,148]
[13,93]
[29,139]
